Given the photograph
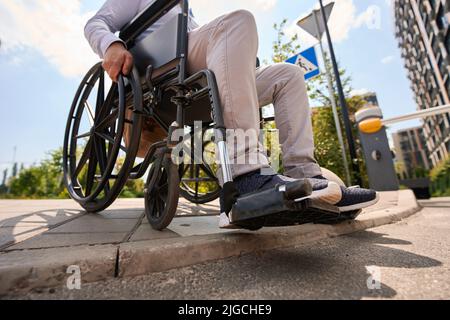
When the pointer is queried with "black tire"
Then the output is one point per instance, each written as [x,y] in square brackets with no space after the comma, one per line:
[94,174]
[162,193]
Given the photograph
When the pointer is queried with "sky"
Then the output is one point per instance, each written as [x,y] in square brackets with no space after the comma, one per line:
[43,55]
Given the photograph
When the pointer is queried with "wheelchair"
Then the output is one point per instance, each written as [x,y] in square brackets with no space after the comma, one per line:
[105,123]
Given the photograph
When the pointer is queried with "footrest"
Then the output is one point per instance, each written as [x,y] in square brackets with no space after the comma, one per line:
[286,205]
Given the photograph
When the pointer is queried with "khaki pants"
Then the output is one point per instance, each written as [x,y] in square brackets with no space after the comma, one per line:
[228,46]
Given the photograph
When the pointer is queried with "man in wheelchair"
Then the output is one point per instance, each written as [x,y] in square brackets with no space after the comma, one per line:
[228,47]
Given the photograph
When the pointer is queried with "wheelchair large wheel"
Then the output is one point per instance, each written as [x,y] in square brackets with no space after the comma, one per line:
[199,183]
[162,192]
[96,162]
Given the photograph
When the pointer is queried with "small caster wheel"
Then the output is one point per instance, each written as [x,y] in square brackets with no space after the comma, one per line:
[162,192]
[250,225]
[254,228]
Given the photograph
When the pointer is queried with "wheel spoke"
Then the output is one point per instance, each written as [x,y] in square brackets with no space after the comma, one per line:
[90,178]
[107,188]
[110,139]
[84,158]
[185,169]
[208,171]
[112,131]
[90,113]
[191,171]
[197,173]
[156,207]
[164,189]
[108,102]
[196,190]
[161,205]
[101,156]
[84,135]
[108,121]
[100,94]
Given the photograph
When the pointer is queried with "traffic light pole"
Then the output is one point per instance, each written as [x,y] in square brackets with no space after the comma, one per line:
[343,103]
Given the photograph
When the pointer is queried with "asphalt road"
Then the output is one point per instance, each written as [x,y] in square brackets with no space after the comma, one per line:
[410,259]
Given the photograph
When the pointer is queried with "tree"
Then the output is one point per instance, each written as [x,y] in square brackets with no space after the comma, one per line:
[440,179]
[282,48]
[5,175]
[3,187]
[45,180]
[41,181]
[14,170]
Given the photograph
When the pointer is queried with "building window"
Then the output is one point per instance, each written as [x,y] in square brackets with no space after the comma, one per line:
[442,128]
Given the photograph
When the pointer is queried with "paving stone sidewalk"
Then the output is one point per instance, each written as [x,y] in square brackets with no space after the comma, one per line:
[42,237]
[37,224]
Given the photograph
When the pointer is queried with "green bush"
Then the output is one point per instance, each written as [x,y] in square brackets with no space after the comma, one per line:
[41,181]
[440,179]
[45,181]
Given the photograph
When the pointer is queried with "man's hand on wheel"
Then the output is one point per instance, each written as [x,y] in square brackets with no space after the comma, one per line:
[117,60]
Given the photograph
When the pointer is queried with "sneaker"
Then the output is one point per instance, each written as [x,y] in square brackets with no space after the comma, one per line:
[323,190]
[355,198]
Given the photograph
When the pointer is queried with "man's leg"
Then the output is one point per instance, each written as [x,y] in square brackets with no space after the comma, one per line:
[284,85]
[228,46]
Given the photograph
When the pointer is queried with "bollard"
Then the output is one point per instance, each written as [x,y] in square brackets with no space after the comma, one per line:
[375,145]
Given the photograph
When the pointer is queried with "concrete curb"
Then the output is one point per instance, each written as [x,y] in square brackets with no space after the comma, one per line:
[154,256]
[25,270]
[28,269]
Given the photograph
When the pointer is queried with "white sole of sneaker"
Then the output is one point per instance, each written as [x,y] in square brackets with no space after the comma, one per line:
[361,205]
[224,222]
[331,195]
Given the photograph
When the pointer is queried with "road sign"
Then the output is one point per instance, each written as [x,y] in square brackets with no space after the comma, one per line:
[307,60]
[313,25]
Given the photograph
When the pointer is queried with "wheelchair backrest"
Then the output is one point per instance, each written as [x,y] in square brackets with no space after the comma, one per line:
[163,49]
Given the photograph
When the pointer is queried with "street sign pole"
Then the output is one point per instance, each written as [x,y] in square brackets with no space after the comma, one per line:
[343,103]
[334,106]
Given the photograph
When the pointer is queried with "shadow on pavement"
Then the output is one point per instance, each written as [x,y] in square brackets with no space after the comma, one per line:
[15,228]
[330,269]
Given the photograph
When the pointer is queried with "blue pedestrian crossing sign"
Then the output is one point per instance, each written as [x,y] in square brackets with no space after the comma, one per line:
[307,60]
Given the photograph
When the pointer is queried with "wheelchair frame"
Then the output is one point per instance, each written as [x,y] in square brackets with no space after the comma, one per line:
[158,82]
[101,151]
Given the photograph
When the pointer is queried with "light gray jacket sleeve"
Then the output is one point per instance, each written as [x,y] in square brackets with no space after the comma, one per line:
[113,15]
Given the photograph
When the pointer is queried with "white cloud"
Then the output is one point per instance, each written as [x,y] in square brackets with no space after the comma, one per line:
[359,92]
[54,28]
[343,19]
[388,59]
[266,5]
[205,11]
[371,18]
